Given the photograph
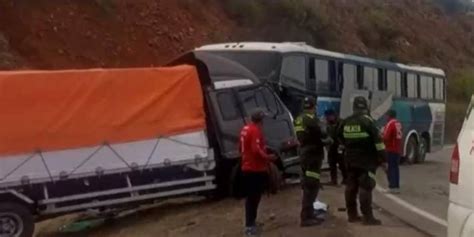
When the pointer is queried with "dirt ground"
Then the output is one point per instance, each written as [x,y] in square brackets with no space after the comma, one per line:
[225,218]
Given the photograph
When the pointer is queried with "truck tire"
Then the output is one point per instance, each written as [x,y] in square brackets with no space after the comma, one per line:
[16,220]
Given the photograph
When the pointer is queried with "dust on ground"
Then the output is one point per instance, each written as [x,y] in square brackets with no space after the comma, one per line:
[225,218]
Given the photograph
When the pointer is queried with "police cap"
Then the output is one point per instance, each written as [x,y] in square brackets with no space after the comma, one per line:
[360,103]
[257,115]
[309,102]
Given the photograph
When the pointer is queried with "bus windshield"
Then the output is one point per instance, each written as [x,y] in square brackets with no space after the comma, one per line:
[265,65]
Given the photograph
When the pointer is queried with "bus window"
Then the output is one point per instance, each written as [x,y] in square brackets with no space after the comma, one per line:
[430,88]
[360,77]
[350,76]
[293,72]
[404,84]
[322,75]
[443,89]
[369,78]
[423,87]
[412,86]
[394,83]
[439,89]
[312,75]
[340,75]
[426,87]
[382,79]
[333,79]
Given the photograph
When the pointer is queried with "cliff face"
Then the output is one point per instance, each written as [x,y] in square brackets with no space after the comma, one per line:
[114,33]
[106,33]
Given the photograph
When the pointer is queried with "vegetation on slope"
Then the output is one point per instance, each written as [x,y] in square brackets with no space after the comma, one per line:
[122,33]
[408,31]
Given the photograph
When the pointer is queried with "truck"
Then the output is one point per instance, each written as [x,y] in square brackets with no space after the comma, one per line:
[111,139]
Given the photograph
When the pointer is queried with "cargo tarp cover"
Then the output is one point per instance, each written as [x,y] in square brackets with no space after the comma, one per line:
[55,110]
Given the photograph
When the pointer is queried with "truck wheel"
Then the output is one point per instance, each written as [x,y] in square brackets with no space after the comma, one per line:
[422,150]
[16,220]
[412,151]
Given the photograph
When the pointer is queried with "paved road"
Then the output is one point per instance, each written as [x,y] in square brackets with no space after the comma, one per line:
[424,200]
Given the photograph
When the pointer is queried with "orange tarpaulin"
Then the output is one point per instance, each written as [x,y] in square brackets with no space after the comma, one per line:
[55,110]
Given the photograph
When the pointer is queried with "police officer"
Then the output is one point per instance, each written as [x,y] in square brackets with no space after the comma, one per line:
[312,140]
[364,152]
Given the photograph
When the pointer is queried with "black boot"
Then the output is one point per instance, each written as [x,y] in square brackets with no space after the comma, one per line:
[354,219]
[371,221]
[310,222]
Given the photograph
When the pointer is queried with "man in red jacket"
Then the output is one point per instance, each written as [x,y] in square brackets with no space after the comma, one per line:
[255,164]
[392,137]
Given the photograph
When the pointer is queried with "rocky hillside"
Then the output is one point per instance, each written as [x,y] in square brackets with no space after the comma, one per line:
[52,34]
[106,33]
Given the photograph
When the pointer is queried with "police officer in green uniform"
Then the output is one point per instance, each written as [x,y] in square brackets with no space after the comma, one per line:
[312,138]
[364,152]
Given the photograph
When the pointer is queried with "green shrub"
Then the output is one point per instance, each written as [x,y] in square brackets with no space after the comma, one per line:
[460,90]
[461,84]
[378,30]
[455,112]
[296,19]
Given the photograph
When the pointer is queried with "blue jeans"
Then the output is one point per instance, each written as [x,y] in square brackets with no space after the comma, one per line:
[393,173]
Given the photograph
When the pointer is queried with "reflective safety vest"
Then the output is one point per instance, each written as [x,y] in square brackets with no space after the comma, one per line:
[362,141]
[308,130]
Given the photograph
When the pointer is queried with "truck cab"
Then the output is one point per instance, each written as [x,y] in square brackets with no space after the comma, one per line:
[231,93]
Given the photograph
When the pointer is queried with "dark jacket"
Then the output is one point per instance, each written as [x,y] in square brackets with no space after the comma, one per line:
[312,138]
[363,144]
[332,128]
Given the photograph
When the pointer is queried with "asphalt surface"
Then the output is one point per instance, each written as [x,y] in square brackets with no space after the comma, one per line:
[424,198]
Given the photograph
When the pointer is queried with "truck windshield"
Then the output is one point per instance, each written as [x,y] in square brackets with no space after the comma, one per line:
[275,127]
[265,65]
[260,98]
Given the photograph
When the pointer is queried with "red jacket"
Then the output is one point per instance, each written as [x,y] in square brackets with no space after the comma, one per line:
[252,149]
[392,136]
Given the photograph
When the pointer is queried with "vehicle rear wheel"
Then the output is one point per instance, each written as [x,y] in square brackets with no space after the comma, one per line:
[412,151]
[16,220]
[422,150]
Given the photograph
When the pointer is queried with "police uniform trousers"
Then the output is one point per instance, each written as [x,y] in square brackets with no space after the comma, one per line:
[336,161]
[311,160]
[360,182]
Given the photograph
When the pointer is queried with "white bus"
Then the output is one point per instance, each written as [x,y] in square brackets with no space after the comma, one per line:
[297,70]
